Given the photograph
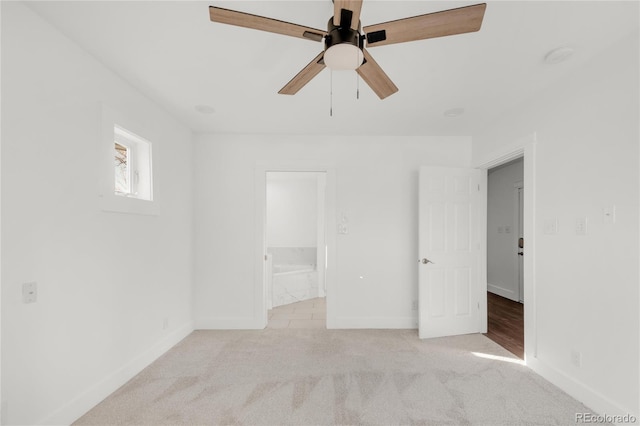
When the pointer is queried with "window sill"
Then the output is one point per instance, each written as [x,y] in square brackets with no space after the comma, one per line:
[128,205]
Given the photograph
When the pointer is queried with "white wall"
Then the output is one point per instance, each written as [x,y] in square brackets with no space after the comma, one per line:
[502,229]
[292,209]
[377,188]
[107,282]
[585,287]
[1,393]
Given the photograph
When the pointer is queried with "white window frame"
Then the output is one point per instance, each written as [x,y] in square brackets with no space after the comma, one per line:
[129,159]
[126,131]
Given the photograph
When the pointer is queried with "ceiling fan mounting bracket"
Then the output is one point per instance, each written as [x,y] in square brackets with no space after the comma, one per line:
[338,34]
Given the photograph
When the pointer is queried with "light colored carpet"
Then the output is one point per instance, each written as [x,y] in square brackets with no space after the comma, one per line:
[326,377]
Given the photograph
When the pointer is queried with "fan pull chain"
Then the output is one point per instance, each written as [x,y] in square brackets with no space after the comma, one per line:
[331,93]
[357,78]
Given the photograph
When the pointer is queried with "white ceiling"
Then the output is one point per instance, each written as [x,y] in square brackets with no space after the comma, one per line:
[174,55]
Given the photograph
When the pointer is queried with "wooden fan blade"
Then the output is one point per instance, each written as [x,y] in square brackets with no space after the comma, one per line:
[303,77]
[445,23]
[241,19]
[373,75]
[354,6]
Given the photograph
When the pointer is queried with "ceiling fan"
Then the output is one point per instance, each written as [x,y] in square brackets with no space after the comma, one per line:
[344,39]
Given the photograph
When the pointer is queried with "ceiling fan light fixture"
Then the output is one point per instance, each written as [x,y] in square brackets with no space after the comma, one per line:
[343,56]
[345,37]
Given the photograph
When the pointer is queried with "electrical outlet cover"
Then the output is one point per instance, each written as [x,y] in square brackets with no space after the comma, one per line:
[551,226]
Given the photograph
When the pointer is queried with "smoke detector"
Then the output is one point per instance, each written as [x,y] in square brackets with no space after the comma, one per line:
[558,55]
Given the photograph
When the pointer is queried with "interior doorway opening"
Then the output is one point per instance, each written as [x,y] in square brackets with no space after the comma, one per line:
[296,249]
[505,255]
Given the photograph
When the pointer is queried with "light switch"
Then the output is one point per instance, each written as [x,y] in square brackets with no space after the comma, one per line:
[581,226]
[507,229]
[500,229]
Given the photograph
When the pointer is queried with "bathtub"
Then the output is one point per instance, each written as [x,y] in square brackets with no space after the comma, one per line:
[292,269]
[293,283]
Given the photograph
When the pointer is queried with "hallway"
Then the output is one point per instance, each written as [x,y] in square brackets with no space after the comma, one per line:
[506,323]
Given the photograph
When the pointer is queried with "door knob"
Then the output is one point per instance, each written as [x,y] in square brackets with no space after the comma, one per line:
[425,261]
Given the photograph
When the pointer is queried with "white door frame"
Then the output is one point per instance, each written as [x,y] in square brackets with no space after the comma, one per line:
[523,147]
[518,189]
[260,249]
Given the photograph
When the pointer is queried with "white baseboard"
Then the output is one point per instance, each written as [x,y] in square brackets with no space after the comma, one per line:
[597,402]
[372,323]
[88,399]
[504,292]
[244,323]
[233,323]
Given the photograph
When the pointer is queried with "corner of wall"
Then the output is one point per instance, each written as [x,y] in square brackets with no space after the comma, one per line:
[596,401]
[85,401]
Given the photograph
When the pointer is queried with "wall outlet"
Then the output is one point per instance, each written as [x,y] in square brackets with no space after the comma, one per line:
[414,305]
[550,226]
[30,292]
[576,358]
[507,229]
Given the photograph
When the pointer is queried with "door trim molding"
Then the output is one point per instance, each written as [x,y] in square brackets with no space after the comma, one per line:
[517,187]
[522,147]
[260,226]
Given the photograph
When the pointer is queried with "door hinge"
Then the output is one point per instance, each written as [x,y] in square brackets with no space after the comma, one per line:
[478,305]
[478,187]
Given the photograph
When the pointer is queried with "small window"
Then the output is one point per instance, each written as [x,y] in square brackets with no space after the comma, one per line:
[132,165]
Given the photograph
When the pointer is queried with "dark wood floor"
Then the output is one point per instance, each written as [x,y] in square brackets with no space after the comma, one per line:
[506,323]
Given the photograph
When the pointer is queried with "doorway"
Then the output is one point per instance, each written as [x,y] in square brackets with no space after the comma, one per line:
[505,255]
[295,249]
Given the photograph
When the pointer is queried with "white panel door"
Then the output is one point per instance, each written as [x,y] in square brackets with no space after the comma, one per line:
[450,202]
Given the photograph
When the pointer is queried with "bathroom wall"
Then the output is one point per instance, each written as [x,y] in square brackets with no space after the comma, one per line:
[292,209]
